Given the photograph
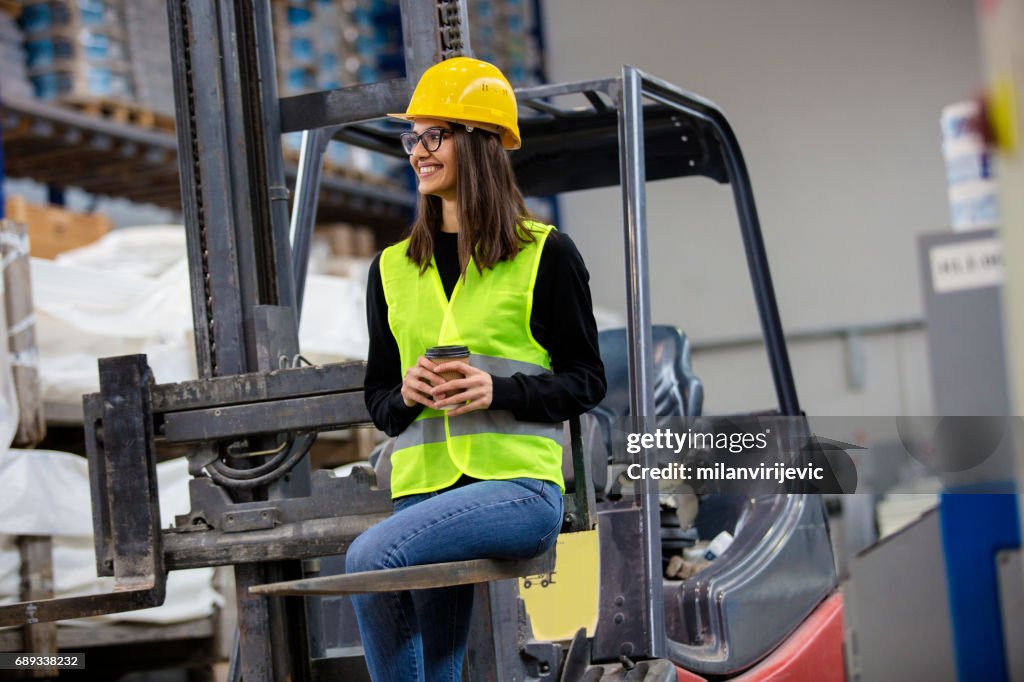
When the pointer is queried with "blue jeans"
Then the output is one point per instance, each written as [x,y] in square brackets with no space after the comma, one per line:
[421,635]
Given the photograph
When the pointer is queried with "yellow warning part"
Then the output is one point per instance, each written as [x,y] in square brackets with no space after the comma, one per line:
[563,601]
[1003,113]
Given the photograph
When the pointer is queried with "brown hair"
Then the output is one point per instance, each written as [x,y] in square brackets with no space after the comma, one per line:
[490,206]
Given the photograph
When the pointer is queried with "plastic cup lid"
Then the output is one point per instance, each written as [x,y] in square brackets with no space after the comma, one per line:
[447,352]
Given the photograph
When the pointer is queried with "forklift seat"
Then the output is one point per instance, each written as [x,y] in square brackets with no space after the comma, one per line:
[677,390]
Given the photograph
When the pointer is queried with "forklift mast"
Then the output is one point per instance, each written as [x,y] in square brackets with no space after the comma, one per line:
[253,413]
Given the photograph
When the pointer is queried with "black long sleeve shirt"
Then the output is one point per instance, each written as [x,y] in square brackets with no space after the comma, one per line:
[562,321]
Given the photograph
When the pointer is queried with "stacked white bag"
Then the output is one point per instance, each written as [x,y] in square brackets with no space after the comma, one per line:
[129,293]
[43,492]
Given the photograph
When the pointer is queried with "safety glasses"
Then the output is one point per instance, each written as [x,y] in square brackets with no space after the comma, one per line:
[431,139]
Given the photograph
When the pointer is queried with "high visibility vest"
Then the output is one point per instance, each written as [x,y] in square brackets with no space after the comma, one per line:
[490,314]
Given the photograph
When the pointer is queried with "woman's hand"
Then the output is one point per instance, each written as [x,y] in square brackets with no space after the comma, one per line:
[419,382]
[472,392]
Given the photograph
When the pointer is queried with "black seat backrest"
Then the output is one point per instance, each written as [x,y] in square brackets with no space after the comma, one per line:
[677,390]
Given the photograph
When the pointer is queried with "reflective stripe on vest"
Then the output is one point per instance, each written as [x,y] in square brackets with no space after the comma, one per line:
[431,429]
[490,313]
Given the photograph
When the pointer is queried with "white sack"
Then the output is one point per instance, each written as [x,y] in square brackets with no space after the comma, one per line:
[43,492]
[129,293]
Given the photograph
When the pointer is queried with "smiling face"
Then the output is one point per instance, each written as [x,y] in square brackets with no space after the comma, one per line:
[435,170]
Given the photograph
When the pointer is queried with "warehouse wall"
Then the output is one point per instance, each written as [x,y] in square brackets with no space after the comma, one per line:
[836,105]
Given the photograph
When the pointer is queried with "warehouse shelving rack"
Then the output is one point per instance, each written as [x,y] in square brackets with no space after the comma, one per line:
[59,146]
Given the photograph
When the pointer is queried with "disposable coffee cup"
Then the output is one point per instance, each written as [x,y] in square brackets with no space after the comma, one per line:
[441,354]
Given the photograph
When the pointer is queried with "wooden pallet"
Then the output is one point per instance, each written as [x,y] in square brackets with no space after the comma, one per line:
[118,111]
[329,168]
[347,172]
[337,170]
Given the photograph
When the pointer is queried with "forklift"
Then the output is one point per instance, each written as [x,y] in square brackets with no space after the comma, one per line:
[766,609]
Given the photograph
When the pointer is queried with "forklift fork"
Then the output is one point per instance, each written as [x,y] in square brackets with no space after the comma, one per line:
[137,560]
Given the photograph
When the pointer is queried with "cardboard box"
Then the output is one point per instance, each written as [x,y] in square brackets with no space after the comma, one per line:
[348,241]
[342,238]
[53,230]
[365,242]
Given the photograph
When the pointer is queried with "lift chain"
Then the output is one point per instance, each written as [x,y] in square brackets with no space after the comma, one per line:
[197,175]
[450,26]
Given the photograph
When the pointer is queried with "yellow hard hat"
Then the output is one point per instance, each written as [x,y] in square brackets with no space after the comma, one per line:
[467,91]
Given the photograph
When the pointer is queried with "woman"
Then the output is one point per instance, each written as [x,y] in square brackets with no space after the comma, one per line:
[476,469]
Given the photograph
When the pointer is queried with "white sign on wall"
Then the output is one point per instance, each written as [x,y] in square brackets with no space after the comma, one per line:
[967,265]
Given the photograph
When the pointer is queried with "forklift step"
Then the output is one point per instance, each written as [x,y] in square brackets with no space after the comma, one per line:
[412,577]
